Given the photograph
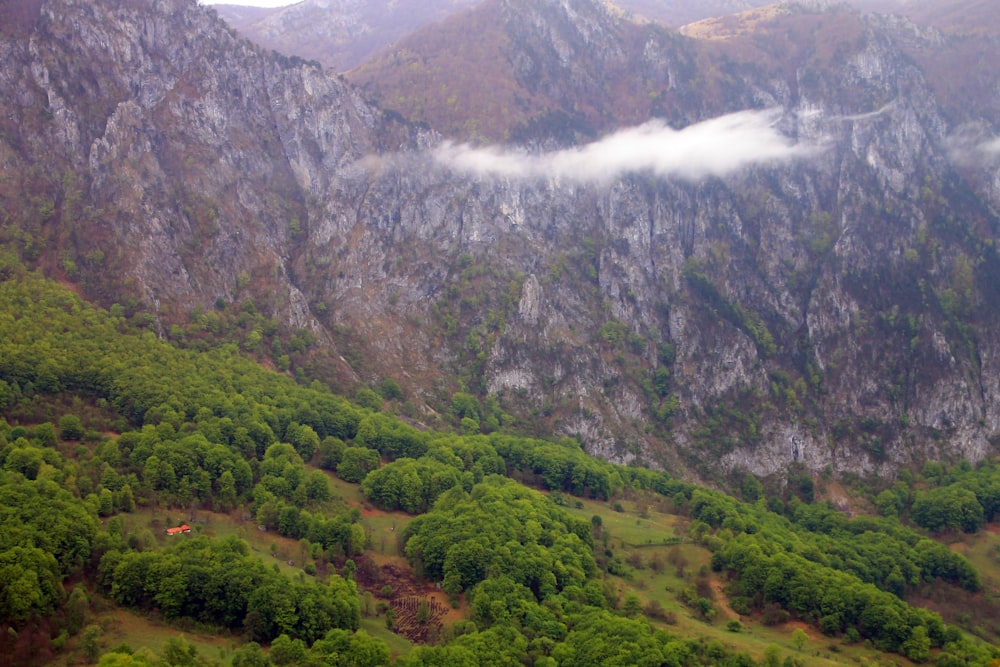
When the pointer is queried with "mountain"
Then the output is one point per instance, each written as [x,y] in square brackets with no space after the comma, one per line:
[340,34]
[795,264]
[485,74]
[515,70]
[343,35]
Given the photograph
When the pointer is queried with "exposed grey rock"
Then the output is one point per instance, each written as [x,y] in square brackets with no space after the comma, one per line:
[807,304]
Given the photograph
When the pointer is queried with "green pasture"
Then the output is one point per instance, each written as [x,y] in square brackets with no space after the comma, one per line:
[375,626]
[640,534]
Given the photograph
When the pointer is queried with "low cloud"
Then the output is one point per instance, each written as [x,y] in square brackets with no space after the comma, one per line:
[715,147]
[991,147]
[973,145]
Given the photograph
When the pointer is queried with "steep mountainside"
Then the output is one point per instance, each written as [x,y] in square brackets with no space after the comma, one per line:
[520,70]
[811,280]
[343,35]
[340,34]
[512,69]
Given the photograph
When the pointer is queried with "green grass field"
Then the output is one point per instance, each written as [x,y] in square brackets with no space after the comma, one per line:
[640,535]
[384,531]
[633,527]
[375,626]
[350,493]
[140,633]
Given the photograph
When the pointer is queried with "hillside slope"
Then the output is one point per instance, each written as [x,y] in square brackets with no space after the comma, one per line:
[166,502]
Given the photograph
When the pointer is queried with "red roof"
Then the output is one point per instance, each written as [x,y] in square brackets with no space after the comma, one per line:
[179,529]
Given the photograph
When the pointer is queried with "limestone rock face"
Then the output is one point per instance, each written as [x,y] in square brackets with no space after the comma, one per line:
[837,310]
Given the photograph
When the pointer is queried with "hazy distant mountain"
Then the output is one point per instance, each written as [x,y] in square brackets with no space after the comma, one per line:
[953,16]
[337,33]
[964,16]
[490,73]
[516,70]
[342,34]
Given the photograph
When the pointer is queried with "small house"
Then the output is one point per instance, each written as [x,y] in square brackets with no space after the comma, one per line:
[179,529]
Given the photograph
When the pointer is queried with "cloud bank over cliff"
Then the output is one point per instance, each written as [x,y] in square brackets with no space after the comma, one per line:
[973,145]
[714,147]
[991,147]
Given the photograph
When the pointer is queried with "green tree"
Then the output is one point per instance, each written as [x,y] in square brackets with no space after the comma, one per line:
[287,651]
[368,399]
[600,639]
[317,487]
[342,648]
[632,607]
[77,609]
[948,508]
[106,502]
[8,395]
[390,390]
[125,499]
[888,503]
[250,655]
[31,584]
[178,652]
[465,406]
[356,463]
[331,450]
[25,460]
[90,642]
[918,647]
[303,438]
[70,427]
[226,497]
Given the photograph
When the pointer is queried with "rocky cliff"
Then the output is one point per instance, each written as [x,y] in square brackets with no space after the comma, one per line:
[802,269]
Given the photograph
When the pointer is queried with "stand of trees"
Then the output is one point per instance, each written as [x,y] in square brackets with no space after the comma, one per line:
[218,582]
[501,527]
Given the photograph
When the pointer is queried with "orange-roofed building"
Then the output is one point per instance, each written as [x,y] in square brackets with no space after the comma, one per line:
[179,529]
